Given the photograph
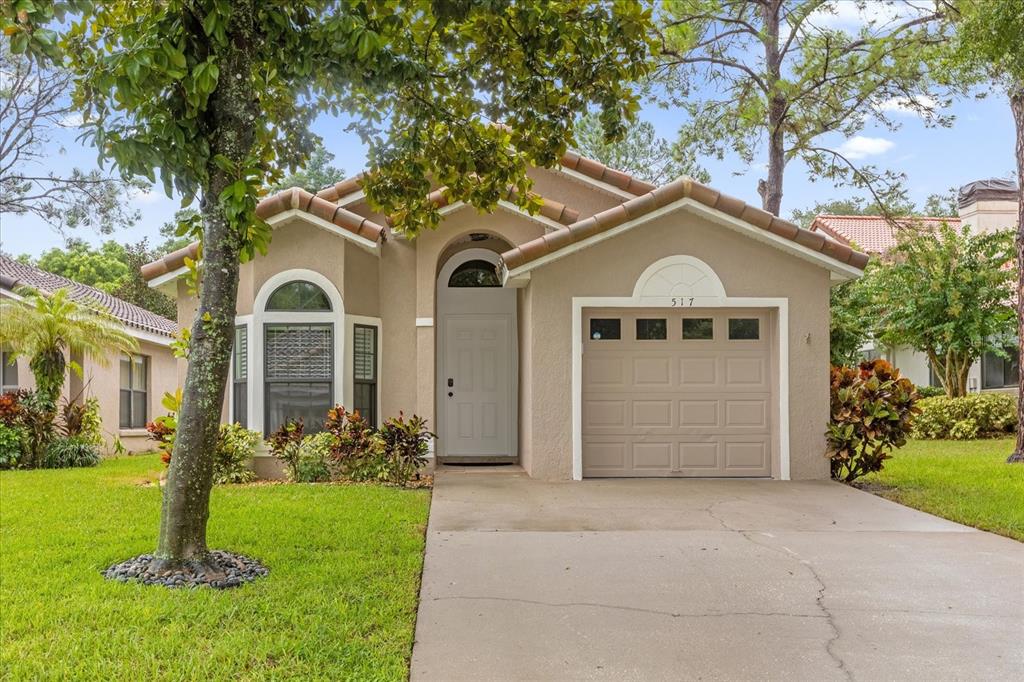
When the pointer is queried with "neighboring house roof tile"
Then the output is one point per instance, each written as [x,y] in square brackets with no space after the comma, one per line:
[871,234]
[662,196]
[14,274]
[286,200]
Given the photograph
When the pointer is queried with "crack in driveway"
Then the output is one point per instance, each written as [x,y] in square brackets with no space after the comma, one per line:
[819,599]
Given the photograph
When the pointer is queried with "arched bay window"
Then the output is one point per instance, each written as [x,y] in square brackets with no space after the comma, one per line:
[298,358]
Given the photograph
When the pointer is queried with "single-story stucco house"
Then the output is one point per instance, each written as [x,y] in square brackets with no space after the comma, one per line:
[985,206]
[623,330]
[129,389]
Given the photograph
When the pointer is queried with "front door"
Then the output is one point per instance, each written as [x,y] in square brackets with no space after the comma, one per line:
[476,383]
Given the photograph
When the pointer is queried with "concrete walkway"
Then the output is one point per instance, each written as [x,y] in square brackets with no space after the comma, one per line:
[688,579]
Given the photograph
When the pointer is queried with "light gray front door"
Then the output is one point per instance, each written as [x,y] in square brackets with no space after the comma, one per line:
[477,376]
[669,392]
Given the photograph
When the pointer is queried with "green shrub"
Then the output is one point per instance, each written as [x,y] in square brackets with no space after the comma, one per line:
[82,420]
[930,391]
[284,445]
[314,463]
[406,444]
[66,453]
[967,417]
[37,417]
[872,408]
[12,440]
[235,449]
[358,452]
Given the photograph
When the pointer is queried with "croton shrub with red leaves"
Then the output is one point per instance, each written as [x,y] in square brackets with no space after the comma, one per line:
[872,412]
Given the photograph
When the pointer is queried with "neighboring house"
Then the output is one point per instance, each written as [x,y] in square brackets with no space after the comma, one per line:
[985,205]
[623,330]
[129,389]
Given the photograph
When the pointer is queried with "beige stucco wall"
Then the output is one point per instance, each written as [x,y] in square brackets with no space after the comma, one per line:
[611,268]
[575,193]
[104,382]
[990,215]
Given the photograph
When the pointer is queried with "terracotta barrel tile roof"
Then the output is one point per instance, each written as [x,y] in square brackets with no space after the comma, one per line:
[286,200]
[663,196]
[598,171]
[14,274]
[342,188]
[869,233]
[549,208]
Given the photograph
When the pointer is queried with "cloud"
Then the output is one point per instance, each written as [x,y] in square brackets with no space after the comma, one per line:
[148,196]
[847,15]
[859,147]
[905,105]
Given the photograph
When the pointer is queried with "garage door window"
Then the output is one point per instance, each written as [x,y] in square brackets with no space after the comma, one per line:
[698,329]
[606,329]
[651,330]
[744,328]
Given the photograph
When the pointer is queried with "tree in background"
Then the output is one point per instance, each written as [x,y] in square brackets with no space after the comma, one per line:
[111,267]
[850,324]
[946,294]
[316,174]
[218,96]
[640,152]
[50,329]
[990,45]
[34,102]
[775,75]
[935,206]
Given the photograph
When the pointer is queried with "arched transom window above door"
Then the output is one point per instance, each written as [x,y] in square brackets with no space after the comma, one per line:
[474,273]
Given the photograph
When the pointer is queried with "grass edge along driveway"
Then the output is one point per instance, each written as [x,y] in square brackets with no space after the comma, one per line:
[339,603]
[964,481]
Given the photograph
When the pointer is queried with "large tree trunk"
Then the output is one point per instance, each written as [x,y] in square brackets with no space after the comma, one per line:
[231,125]
[1017,106]
[770,188]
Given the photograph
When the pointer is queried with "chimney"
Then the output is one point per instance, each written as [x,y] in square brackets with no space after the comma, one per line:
[989,205]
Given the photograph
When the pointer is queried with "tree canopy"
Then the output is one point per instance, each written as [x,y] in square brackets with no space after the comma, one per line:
[316,174]
[216,98]
[778,77]
[640,152]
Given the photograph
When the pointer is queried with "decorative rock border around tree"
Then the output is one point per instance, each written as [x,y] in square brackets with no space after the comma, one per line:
[222,570]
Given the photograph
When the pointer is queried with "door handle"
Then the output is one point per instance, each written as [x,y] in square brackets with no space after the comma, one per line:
[451,382]
[450,394]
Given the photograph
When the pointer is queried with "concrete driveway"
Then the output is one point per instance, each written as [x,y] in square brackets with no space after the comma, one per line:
[713,579]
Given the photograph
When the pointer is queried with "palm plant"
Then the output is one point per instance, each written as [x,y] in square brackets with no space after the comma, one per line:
[50,329]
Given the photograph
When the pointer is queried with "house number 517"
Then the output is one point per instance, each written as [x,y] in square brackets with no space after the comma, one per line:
[682,302]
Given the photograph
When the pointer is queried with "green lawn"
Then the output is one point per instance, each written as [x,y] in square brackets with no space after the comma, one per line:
[964,481]
[339,603]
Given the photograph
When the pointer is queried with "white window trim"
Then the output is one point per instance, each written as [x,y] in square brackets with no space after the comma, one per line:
[261,317]
[350,325]
[638,300]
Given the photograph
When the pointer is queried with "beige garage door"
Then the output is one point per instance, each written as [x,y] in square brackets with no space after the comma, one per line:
[670,392]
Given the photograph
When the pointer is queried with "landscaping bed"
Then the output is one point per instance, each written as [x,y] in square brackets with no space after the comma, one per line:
[964,481]
[339,600]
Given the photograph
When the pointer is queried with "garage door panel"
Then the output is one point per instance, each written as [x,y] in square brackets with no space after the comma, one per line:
[678,407]
[652,456]
[750,457]
[603,414]
[652,414]
[701,455]
[698,372]
[605,370]
[746,413]
[698,413]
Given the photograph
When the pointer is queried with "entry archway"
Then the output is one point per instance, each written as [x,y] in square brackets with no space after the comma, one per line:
[477,360]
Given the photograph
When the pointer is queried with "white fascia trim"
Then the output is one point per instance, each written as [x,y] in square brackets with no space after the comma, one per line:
[167,277]
[511,208]
[603,186]
[816,257]
[581,302]
[291,213]
[149,337]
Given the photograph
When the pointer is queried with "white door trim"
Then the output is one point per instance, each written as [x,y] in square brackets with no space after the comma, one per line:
[782,322]
[484,307]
